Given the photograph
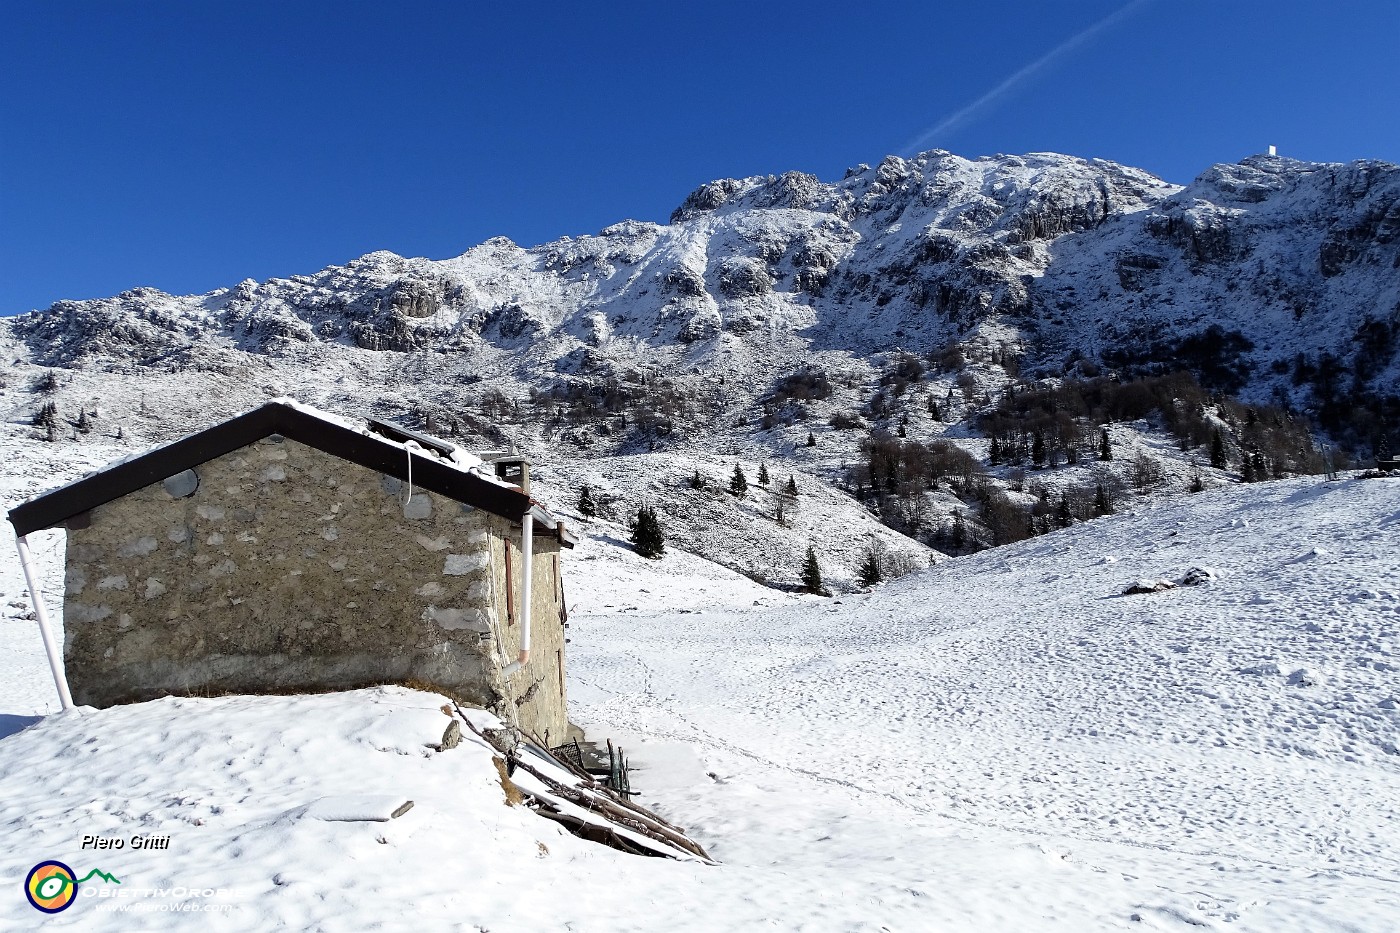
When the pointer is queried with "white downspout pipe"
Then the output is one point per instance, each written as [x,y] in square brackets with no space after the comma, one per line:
[36,598]
[527,572]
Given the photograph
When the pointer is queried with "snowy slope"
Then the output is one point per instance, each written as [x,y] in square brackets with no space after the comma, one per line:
[652,350]
[1227,752]
[1002,741]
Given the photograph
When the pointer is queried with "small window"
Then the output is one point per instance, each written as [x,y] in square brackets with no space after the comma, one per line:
[182,484]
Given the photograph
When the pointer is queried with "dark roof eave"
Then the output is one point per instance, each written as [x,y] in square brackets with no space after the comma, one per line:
[54,508]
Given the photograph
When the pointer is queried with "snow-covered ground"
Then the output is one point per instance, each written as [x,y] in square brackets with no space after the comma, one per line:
[1000,742]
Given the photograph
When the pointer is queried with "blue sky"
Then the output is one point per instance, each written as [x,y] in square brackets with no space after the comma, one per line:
[189,145]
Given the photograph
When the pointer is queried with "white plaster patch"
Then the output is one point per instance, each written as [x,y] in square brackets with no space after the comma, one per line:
[83,613]
[479,591]
[274,452]
[247,537]
[440,543]
[215,539]
[223,567]
[210,512]
[109,652]
[75,579]
[454,619]
[419,505]
[330,533]
[123,621]
[154,588]
[338,564]
[117,582]
[274,474]
[477,537]
[178,535]
[139,547]
[429,590]
[459,565]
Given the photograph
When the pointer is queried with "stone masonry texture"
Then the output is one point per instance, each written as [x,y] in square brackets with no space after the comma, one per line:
[278,568]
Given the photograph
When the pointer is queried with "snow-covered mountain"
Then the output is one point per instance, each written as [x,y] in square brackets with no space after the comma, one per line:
[998,741]
[766,321]
[1059,256]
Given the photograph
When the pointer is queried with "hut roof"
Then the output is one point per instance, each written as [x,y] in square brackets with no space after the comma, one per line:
[438,466]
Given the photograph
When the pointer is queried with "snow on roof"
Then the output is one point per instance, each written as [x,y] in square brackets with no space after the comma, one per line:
[185,453]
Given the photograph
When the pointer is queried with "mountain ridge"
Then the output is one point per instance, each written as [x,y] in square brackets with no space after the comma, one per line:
[1069,253]
[818,327]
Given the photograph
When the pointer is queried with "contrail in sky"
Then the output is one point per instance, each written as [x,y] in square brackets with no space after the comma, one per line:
[955,120]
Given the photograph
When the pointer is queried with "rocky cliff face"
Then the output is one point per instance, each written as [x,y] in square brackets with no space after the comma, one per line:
[1243,273]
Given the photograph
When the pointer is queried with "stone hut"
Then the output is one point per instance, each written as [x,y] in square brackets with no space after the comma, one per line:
[287,550]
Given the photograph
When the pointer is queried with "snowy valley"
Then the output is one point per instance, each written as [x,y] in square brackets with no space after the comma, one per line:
[1000,742]
[1020,383]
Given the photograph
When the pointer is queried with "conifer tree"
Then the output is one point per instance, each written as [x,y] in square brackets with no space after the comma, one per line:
[47,416]
[763,474]
[586,506]
[994,451]
[811,441]
[1038,449]
[738,483]
[1063,516]
[812,573]
[697,481]
[1101,504]
[1197,484]
[870,570]
[779,515]
[1105,451]
[959,535]
[1217,451]
[791,487]
[646,536]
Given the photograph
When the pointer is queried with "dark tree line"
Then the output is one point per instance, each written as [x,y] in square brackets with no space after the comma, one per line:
[1045,426]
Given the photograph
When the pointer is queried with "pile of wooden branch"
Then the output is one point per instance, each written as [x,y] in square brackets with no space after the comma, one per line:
[563,792]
